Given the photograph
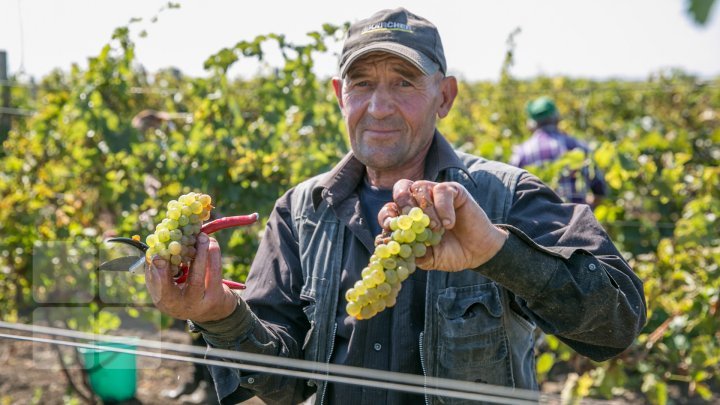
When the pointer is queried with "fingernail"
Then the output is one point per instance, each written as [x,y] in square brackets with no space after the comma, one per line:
[446,222]
[160,264]
[202,238]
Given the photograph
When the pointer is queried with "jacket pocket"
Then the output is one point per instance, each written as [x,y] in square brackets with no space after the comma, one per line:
[313,289]
[309,346]
[473,344]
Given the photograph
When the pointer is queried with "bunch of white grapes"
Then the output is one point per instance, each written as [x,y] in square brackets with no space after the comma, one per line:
[392,263]
[174,237]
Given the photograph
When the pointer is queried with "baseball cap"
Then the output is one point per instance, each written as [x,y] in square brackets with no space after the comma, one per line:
[541,109]
[398,32]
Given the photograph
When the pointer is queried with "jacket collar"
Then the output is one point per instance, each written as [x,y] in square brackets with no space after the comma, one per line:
[339,183]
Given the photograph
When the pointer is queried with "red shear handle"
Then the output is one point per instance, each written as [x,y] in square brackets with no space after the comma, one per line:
[229,222]
[214,226]
[185,270]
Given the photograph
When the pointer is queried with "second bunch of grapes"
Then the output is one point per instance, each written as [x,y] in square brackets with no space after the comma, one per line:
[391,264]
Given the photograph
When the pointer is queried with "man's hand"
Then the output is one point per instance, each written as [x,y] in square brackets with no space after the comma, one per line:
[203,297]
[470,238]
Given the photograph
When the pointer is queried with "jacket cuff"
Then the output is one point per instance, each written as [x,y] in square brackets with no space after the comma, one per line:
[223,332]
[521,265]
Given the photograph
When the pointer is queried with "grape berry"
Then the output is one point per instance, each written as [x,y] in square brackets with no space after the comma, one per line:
[391,264]
[174,237]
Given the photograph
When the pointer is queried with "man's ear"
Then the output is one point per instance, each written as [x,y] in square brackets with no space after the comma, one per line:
[337,86]
[448,89]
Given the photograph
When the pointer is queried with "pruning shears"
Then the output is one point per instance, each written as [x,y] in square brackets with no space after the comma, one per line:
[133,263]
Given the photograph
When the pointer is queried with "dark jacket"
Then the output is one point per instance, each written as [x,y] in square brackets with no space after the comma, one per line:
[558,271]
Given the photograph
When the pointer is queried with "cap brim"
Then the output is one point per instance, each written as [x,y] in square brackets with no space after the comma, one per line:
[418,59]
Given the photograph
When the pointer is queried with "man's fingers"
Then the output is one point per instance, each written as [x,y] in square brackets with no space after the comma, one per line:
[422,192]
[161,268]
[196,279]
[159,280]
[427,261]
[153,282]
[387,212]
[444,195]
[214,276]
[402,194]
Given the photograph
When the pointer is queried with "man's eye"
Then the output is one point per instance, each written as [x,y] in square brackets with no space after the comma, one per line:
[405,83]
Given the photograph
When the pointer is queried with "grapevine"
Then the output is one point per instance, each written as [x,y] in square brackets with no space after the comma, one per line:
[666,218]
[392,263]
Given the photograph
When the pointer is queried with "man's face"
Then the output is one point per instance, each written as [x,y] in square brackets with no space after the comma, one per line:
[390,109]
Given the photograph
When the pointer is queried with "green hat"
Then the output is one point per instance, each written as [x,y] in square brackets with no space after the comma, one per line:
[399,32]
[541,109]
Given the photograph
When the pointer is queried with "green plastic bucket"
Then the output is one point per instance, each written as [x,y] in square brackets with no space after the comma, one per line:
[112,375]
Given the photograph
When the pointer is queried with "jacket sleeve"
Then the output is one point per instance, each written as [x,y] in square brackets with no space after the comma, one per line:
[566,274]
[268,320]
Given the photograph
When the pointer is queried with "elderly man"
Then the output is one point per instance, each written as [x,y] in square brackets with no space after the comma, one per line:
[513,258]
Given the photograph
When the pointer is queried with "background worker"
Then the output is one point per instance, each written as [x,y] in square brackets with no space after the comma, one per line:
[548,144]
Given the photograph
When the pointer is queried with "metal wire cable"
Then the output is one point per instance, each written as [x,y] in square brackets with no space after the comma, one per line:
[291,367]
[17,111]
[278,370]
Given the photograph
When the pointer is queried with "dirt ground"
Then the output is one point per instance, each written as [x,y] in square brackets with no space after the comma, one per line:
[30,373]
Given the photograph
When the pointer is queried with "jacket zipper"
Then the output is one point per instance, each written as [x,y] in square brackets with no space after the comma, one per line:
[424,370]
[332,347]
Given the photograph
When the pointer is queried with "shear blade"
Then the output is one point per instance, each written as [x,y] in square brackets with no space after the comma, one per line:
[126,263]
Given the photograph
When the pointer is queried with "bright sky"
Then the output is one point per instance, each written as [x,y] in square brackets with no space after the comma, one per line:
[579,38]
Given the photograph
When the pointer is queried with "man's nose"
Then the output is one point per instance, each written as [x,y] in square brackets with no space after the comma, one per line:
[381,103]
